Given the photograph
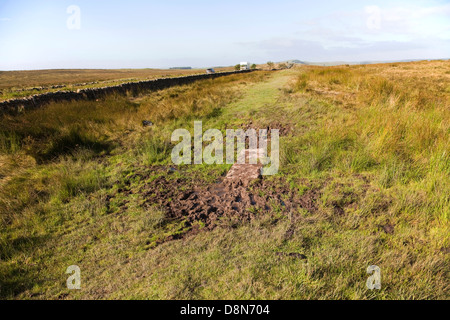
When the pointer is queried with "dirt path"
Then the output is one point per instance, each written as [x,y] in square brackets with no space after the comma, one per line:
[243,191]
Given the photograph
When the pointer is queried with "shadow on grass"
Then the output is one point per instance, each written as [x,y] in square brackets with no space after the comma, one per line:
[69,143]
[16,278]
[216,112]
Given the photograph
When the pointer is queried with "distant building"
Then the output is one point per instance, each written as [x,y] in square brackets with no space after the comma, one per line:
[210,71]
[245,65]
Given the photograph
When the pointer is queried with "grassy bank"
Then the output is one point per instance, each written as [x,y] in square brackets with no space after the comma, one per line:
[364,157]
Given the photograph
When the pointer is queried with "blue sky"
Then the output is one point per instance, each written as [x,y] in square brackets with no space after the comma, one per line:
[158,34]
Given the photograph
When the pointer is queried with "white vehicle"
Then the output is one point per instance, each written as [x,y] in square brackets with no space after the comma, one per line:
[245,65]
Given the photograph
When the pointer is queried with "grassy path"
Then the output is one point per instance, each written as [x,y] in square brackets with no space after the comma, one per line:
[257,99]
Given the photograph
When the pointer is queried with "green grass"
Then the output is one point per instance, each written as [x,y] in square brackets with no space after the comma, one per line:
[75,181]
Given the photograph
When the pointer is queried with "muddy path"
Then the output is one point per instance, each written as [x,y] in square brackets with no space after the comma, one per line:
[237,198]
[242,194]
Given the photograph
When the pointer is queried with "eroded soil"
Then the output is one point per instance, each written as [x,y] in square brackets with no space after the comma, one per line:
[234,199]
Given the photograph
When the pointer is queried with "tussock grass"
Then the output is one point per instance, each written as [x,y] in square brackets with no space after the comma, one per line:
[370,144]
[398,132]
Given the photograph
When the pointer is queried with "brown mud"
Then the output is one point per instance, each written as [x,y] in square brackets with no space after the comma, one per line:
[238,197]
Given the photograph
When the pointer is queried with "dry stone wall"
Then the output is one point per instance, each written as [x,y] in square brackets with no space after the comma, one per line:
[19,105]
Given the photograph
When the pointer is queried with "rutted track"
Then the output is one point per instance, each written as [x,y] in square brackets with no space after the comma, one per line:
[36,101]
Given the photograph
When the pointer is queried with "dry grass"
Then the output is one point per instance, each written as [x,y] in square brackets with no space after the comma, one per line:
[15,84]
[370,142]
[24,79]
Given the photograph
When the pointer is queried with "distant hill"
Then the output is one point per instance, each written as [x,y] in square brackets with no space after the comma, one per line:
[296,62]
[337,63]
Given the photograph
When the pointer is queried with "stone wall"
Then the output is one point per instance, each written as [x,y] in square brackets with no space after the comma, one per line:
[18,105]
